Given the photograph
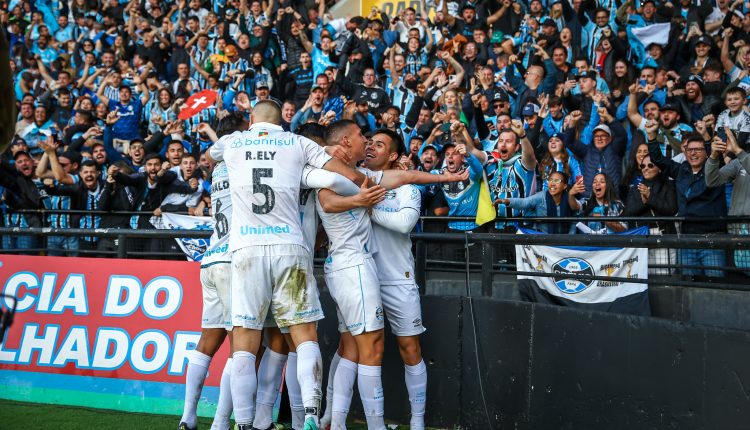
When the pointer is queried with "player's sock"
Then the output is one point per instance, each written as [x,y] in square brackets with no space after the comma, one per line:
[371,392]
[295,395]
[224,407]
[269,380]
[326,420]
[195,376]
[309,375]
[243,383]
[416,385]
[343,389]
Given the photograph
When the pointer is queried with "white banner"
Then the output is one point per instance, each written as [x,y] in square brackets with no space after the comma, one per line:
[194,248]
[655,33]
[611,262]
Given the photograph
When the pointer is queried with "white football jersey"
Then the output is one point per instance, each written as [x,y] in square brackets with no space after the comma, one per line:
[265,168]
[349,233]
[221,206]
[308,216]
[394,257]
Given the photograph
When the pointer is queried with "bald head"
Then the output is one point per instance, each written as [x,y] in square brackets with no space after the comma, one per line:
[266,111]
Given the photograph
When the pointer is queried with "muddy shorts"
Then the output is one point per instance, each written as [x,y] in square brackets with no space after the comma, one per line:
[275,279]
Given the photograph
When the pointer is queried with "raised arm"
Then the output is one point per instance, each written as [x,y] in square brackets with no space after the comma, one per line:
[395,178]
[100,92]
[633,115]
[7,98]
[305,41]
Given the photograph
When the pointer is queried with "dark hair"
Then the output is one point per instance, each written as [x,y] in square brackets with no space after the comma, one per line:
[151,156]
[230,123]
[736,90]
[88,163]
[312,131]
[610,195]
[86,115]
[334,130]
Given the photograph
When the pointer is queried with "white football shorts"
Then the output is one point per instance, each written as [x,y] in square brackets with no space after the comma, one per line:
[356,291]
[217,307]
[403,309]
[277,279]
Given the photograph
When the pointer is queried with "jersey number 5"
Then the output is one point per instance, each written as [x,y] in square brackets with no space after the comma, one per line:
[261,188]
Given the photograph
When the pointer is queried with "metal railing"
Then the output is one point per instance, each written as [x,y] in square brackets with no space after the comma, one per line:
[488,254]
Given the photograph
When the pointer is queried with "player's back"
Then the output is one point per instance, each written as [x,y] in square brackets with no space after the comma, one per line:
[265,166]
[349,236]
[221,202]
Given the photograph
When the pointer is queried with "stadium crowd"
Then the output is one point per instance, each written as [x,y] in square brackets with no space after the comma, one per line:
[636,123]
[560,108]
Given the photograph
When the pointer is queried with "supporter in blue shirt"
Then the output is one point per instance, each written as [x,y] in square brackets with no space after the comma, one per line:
[128,108]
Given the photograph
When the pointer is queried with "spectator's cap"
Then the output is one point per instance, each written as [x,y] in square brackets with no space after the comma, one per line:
[137,140]
[739,14]
[643,2]
[696,79]
[361,100]
[18,140]
[549,22]
[261,83]
[230,51]
[670,106]
[530,109]
[702,39]
[73,156]
[587,74]
[20,153]
[430,146]
[91,14]
[556,135]
[418,137]
[316,87]
[468,6]
[604,128]
[501,96]
[179,33]
[231,12]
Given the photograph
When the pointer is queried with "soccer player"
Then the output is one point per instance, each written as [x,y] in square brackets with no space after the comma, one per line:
[349,263]
[215,272]
[271,267]
[280,347]
[393,219]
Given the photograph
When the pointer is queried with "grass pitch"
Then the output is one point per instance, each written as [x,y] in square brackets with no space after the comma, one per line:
[37,416]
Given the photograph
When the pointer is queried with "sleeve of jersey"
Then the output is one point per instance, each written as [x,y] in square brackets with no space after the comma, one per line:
[314,154]
[216,151]
[404,220]
[320,178]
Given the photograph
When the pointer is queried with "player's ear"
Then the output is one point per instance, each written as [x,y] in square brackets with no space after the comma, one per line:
[393,156]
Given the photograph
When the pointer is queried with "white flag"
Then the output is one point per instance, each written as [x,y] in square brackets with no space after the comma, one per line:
[655,33]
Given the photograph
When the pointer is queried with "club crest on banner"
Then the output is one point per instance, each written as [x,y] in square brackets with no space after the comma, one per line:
[572,266]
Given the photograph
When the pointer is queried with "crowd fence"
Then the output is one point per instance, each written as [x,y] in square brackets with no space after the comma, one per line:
[487,251]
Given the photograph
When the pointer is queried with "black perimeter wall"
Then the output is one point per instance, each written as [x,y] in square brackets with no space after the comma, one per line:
[545,367]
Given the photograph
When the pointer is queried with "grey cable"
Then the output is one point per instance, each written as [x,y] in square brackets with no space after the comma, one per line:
[474,330]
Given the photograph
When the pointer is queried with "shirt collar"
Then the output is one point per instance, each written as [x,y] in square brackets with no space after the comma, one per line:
[265,125]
